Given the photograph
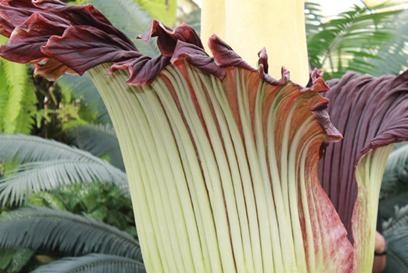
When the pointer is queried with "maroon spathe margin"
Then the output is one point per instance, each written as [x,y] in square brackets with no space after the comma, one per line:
[167,38]
[59,38]
[370,112]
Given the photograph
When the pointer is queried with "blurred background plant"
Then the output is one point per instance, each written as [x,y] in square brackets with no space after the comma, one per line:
[63,197]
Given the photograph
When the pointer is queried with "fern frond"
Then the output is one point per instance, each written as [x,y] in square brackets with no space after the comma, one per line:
[344,43]
[93,263]
[16,78]
[25,148]
[48,230]
[393,55]
[107,145]
[313,16]
[25,119]
[48,175]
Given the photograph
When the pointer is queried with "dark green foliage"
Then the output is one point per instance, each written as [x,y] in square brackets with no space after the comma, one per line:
[102,202]
[358,40]
[46,230]
[14,260]
[83,88]
[106,147]
[50,165]
[396,234]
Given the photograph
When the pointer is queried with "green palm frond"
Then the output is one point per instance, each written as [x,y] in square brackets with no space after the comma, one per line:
[31,148]
[396,235]
[47,164]
[394,54]
[47,230]
[107,145]
[352,40]
[48,175]
[313,17]
[93,263]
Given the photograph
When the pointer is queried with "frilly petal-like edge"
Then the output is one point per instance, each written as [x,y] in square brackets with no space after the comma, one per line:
[225,56]
[84,47]
[25,43]
[51,69]
[141,70]
[32,24]
[371,113]
[83,38]
[197,57]
[167,38]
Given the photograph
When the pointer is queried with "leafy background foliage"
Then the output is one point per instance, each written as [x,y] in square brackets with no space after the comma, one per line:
[365,40]
[394,209]
[65,207]
[17,99]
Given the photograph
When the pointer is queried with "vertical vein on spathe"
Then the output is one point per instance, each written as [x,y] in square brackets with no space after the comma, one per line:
[251,215]
[223,173]
[151,256]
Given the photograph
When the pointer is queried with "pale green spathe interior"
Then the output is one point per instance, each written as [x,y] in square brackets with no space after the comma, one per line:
[209,195]
[369,173]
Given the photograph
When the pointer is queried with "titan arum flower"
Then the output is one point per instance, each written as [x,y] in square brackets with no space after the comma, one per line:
[222,159]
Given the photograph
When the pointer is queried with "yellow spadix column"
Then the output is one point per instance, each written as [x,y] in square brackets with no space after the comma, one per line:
[249,25]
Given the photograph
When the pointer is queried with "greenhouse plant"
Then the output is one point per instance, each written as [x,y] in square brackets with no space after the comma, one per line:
[229,169]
